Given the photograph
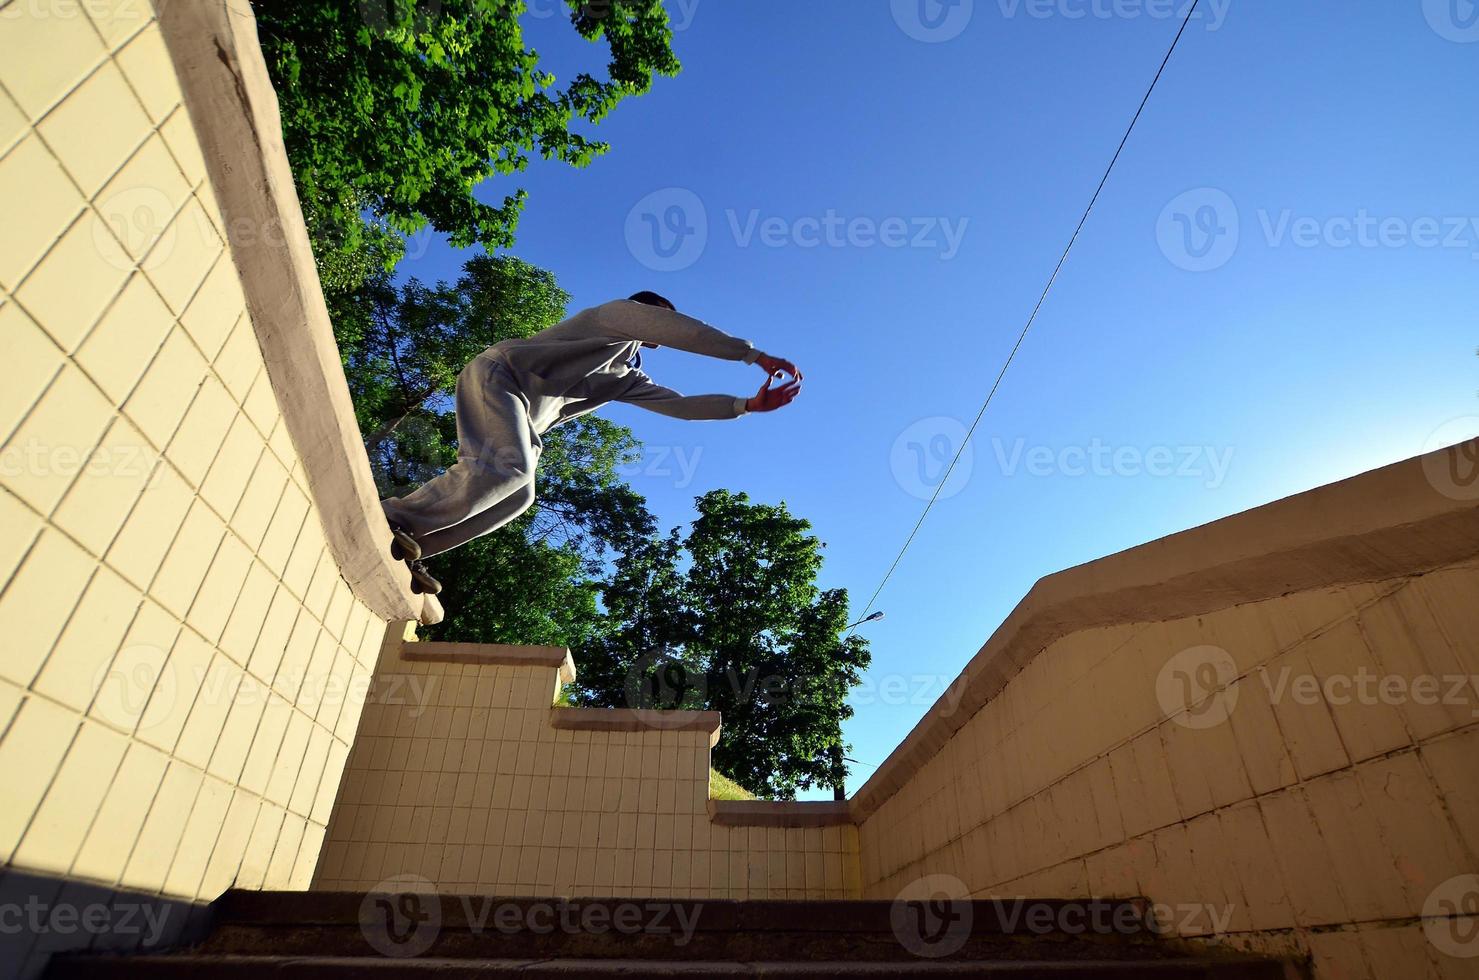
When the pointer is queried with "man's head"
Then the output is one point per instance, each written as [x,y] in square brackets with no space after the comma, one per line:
[648,298]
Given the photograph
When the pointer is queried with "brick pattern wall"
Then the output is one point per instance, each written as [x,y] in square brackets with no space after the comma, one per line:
[458,777]
[176,691]
[1329,824]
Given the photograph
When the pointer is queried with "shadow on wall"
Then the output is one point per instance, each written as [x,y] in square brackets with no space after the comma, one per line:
[41,916]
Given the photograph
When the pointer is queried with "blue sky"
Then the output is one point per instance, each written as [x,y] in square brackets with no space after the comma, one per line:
[1277,289]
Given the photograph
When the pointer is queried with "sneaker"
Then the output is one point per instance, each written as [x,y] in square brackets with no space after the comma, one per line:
[422,580]
[403,547]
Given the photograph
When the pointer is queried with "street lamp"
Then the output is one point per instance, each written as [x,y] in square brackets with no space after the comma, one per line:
[839,791]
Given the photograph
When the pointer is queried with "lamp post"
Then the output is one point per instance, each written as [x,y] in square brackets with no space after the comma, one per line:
[839,790]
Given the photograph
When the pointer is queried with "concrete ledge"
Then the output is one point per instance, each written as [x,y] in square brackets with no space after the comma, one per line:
[1404,519]
[491,655]
[635,720]
[214,47]
[765,813]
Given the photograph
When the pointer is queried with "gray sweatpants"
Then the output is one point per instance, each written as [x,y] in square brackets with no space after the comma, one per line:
[493,479]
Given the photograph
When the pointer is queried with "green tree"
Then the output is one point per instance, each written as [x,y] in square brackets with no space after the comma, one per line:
[394,111]
[743,629]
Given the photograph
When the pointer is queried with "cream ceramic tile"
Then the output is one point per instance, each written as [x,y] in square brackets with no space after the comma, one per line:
[95,131]
[122,694]
[216,308]
[127,337]
[180,577]
[199,839]
[35,360]
[140,204]
[207,717]
[248,613]
[147,64]
[118,20]
[13,123]
[219,589]
[230,752]
[285,770]
[231,471]
[260,404]
[263,491]
[285,854]
[140,547]
[56,833]
[124,807]
[30,754]
[160,400]
[68,292]
[179,684]
[240,360]
[118,472]
[163,828]
[77,666]
[40,203]
[266,743]
[259,848]
[179,135]
[178,268]
[198,441]
[48,451]
[39,601]
[62,50]
[236,832]
[19,527]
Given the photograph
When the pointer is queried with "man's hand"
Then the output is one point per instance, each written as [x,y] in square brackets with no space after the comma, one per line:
[768,399]
[772,365]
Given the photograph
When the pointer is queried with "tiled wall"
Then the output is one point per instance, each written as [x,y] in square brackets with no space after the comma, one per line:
[178,671]
[1327,825]
[458,777]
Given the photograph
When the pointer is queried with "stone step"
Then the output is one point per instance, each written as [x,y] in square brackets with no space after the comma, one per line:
[201,967]
[477,927]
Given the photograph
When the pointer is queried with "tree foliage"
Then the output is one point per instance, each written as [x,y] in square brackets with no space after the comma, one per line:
[743,629]
[394,111]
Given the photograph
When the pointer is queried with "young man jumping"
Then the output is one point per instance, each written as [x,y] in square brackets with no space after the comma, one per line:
[517,390]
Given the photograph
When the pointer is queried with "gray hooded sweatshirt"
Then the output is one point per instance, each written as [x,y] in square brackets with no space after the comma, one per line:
[585,361]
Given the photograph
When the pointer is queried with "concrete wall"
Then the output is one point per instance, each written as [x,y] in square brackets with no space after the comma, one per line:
[1293,774]
[182,643]
[463,774]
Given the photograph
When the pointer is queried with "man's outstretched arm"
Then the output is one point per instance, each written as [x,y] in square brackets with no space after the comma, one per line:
[666,328]
[652,396]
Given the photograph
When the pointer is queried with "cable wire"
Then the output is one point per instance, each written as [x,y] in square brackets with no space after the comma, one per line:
[1035,310]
